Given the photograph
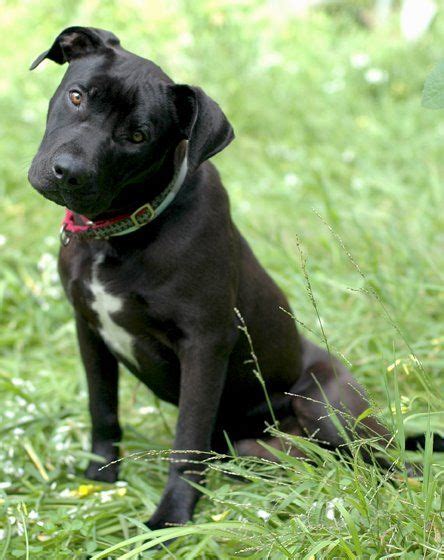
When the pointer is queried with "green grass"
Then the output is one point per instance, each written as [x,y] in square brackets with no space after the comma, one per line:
[326,166]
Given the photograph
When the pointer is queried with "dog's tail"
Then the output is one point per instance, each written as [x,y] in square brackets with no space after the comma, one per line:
[282,408]
[414,443]
[331,373]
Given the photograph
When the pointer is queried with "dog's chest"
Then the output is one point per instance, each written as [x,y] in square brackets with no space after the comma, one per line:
[108,307]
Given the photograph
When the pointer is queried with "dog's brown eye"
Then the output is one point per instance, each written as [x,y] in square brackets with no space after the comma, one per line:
[75,97]
[137,137]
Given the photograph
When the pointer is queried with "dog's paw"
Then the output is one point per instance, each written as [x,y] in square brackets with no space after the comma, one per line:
[102,472]
[162,519]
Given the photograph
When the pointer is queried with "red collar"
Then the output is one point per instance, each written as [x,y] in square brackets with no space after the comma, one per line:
[102,229]
[127,223]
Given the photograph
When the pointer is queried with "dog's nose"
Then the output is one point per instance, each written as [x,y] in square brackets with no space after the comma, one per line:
[69,170]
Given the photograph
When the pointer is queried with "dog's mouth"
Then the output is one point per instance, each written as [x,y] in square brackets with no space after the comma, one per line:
[86,205]
[80,203]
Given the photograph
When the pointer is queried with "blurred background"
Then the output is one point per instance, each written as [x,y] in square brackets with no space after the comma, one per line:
[335,175]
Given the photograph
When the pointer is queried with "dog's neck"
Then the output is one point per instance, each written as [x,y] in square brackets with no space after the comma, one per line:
[135,194]
[126,219]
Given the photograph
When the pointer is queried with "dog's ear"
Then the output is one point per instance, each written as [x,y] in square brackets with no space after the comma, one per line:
[75,42]
[202,122]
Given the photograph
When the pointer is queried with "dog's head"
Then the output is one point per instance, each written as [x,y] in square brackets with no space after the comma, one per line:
[114,124]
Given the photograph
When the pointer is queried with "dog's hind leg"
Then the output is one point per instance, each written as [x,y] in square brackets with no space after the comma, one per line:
[325,404]
[253,447]
[327,401]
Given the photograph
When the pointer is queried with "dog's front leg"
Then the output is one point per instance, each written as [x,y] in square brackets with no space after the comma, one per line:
[102,374]
[203,372]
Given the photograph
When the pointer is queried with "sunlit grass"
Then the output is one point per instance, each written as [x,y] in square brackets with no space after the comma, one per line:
[330,163]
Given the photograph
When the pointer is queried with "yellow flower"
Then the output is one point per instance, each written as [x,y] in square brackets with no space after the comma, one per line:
[85,490]
[220,516]
[362,121]
[42,537]
[396,363]
[405,405]
[399,89]
[218,19]
[121,491]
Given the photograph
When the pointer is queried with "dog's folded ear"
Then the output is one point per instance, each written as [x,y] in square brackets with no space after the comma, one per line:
[75,42]
[202,122]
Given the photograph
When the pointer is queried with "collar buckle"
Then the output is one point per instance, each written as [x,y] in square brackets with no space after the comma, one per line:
[64,235]
[135,216]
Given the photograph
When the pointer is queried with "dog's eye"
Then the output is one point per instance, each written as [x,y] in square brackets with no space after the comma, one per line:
[75,97]
[137,137]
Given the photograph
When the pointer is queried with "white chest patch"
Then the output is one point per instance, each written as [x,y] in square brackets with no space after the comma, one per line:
[105,305]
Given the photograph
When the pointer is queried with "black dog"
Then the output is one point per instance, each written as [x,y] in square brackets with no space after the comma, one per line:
[124,147]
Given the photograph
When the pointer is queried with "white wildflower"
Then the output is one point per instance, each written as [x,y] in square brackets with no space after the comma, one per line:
[46,261]
[262,514]
[3,240]
[31,408]
[359,60]
[271,60]
[18,432]
[29,115]
[63,429]
[376,76]
[348,156]
[70,459]
[33,514]
[357,183]
[334,86]
[29,386]
[244,206]
[106,496]
[291,180]
[5,485]
[17,381]
[54,292]
[185,39]
[51,241]
[331,506]
[147,410]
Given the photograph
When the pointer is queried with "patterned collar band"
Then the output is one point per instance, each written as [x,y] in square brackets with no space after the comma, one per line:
[127,223]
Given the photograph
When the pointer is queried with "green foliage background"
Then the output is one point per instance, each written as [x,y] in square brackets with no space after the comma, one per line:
[351,168]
